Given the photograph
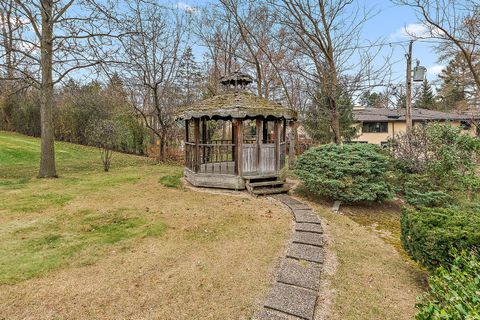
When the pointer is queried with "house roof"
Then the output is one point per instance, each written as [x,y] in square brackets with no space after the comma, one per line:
[418,114]
[240,104]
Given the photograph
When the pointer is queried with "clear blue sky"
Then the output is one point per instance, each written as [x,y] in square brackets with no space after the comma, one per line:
[387,24]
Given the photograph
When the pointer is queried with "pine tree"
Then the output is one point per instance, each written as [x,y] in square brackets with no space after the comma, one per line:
[189,77]
[454,81]
[373,100]
[426,99]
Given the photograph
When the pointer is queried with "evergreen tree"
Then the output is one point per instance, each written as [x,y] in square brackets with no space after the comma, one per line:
[189,78]
[318,122]
[373,100]
[454,82]
[426,98]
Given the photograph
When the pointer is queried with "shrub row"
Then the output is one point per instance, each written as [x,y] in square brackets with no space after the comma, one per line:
[428,234]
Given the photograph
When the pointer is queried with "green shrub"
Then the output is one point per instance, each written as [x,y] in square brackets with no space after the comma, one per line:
[428,234]
[437,165]
[454,292]
[418,192]
[349,173]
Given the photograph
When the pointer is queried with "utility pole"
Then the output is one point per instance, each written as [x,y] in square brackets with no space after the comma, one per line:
[408,94]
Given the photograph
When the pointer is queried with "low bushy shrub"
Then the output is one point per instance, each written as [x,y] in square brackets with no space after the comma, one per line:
[349,173]
[428,234]
[437,165]
[419,192]
[454,291]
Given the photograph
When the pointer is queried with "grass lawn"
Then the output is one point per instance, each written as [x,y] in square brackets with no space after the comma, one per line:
[128,244]
[367,274]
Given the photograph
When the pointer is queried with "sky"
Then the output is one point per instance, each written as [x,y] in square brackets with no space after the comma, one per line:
[390,24]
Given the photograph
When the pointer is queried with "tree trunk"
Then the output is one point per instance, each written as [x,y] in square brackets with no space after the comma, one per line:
[162,147]
[47,154]
[7,33]
[337,138]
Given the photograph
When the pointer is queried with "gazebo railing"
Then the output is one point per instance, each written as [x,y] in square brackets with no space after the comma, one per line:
[217,156]
[190,155]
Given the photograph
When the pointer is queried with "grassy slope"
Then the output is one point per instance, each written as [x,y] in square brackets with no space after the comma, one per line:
[372,278]
[89,241]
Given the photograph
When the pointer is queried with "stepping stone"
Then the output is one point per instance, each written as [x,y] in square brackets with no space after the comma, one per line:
[292,300]
[288,200]
[299,273]
[305,252]
[306,216]
[269,314]
[301,206]
[309,227]
[314,239]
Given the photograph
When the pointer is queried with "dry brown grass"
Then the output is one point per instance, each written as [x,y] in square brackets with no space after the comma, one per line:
[371,279]
[213,262]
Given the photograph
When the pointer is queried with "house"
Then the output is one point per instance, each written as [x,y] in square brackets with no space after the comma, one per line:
[377,125]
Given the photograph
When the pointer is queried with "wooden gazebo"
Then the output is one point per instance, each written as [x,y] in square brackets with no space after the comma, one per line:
[236,140]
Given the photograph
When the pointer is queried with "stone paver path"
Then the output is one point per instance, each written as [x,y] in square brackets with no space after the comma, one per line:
[295,291]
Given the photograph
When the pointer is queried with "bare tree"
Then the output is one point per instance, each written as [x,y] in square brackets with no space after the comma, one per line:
[218,34]
[327,34]
[264,45]
[151,54]
[11,27]
[67,36]
[456,24]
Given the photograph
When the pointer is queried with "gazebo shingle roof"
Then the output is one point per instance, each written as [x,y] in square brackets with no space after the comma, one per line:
[235,105]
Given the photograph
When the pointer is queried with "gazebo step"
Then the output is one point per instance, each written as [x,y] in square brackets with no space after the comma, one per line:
[265,191]
[260,176]
[274,183]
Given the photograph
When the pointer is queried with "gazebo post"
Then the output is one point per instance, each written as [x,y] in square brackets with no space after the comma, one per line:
[196,134]
[276,129]
[239,143]
[293,141]
[187,156]
[259,134]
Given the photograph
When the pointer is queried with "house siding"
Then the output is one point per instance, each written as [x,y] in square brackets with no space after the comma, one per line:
[394,128]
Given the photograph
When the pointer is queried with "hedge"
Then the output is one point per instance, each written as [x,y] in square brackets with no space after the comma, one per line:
[454,292]
[428,234]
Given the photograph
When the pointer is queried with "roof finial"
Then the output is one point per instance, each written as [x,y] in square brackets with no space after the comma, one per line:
[236,79]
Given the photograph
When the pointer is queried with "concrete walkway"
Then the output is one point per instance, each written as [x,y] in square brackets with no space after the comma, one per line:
[295,291]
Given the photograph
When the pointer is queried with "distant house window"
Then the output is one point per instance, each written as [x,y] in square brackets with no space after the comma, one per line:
[465,125]
[375,127]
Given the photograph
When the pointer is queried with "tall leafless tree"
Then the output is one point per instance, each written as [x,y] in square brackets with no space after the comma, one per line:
[152,48]
[328,35]
[11,28]
[66,36]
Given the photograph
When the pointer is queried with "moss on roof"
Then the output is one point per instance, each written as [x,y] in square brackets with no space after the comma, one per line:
[235,105]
